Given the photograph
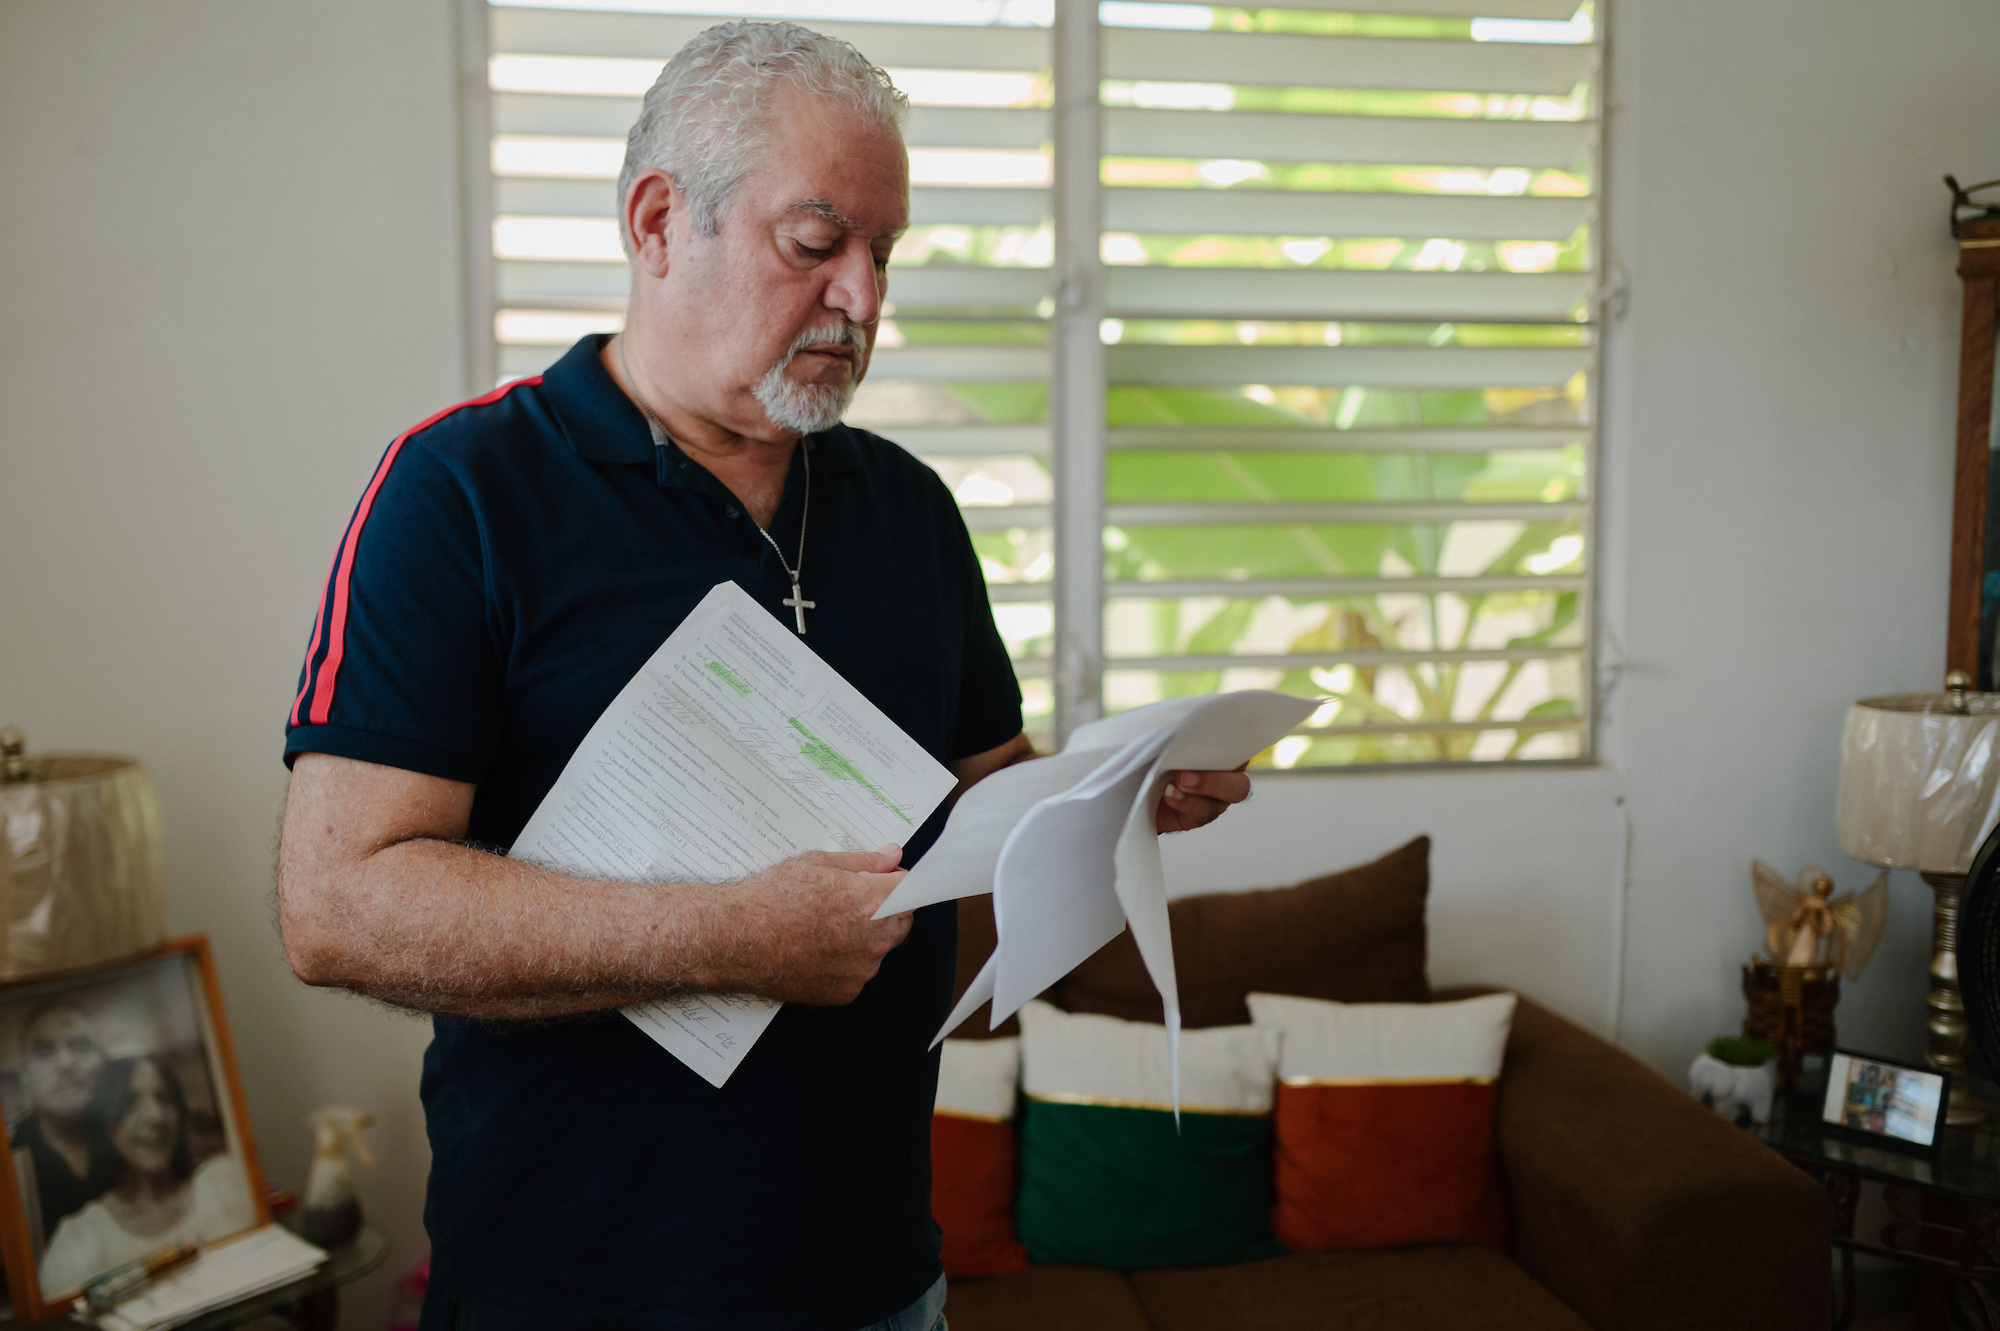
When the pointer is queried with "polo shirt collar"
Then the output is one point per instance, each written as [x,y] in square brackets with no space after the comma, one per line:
[600,422]
[604,425]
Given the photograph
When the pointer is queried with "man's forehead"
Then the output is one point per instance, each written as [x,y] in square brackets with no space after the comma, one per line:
[58,1022]
[825,208]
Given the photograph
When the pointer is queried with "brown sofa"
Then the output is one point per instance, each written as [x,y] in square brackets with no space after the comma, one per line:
[1634,1208]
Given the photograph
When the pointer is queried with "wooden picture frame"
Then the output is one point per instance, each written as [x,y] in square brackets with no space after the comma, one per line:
[1974,617]
[145,1044]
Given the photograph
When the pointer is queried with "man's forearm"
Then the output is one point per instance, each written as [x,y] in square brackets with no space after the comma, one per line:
[445,928]
[375,894]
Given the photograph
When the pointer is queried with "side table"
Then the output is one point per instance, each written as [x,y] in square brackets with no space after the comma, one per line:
[1944,1208]
[310,1303]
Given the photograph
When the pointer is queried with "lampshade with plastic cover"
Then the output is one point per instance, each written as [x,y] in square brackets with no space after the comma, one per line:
[82,867]
[1919,781]
[1920,789]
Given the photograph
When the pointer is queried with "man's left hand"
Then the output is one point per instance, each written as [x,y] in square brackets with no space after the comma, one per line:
[1192,799]
[1196,799]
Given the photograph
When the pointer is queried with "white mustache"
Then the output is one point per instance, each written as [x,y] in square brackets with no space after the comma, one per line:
[846,333]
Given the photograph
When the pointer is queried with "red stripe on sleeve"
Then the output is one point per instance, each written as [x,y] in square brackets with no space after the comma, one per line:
[319,626]
[329,671]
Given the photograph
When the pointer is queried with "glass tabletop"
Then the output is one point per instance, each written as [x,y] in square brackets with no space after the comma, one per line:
[344,1264]
[1966,1162]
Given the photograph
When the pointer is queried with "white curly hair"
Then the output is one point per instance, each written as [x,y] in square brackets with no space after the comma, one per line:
[704,122]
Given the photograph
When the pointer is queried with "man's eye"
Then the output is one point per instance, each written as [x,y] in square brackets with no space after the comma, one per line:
[813,254]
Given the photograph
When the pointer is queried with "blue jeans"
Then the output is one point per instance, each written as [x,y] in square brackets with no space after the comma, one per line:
[926,1314]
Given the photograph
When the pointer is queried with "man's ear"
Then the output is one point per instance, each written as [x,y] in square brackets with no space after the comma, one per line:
[650,210]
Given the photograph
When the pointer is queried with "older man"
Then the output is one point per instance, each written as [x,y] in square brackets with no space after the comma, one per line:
[61,1158]
[509,567]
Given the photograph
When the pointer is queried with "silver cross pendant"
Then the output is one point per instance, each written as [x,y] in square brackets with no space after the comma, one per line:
[799,606]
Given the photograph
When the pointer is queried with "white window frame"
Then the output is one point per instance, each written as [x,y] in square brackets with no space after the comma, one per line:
[1077,375]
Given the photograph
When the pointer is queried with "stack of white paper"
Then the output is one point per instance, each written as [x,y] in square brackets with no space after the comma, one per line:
[235,1269]
[733,748]
[1067,845]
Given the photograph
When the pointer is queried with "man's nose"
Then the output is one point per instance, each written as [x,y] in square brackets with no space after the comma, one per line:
[852,283]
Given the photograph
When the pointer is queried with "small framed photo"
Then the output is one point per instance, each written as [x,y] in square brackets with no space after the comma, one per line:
[1897,1104]
[125,1122]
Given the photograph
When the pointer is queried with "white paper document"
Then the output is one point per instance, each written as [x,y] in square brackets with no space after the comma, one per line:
[1068,849]
[733,748]
[225,1272]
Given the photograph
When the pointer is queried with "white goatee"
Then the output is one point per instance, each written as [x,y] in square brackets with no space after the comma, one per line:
[810,408]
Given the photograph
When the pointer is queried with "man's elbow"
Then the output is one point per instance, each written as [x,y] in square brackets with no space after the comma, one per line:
[311,957]
[313,948]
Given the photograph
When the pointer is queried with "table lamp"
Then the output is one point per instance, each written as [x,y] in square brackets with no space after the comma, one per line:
[1920,789]
[82,870]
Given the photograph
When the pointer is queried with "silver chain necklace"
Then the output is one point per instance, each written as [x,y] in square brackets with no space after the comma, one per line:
[796,600]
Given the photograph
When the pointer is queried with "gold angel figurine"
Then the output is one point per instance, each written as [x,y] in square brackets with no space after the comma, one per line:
[1803,928]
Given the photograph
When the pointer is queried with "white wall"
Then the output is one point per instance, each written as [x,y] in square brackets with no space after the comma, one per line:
[228,274]
[1785,425]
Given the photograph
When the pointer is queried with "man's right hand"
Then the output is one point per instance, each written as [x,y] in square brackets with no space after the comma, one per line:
[376,894]
[806,935]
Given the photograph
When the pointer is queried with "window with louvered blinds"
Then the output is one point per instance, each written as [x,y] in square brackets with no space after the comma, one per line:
[1257,344]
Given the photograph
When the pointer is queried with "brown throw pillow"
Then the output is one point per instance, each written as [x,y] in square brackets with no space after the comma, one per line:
[1354,937]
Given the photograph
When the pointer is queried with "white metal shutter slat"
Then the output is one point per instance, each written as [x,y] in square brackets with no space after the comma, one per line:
[972,440]
[1280,137]
[575,114]
[948,285]
[1546,10]
[963,363]
[1304,660]
[541,197]
[974,206]
[519,278]
[1185,515]
[936,285]
[1290,61]
[1404,729]
[1329,587]
[1265,293]
[1004,517]
[1016,593]
[518,359]
[1433,439]
[1239,212]
[565,114]
[585,304]
[546,197]
[1377,367]
[920,45]
[976,127]
[1000,517]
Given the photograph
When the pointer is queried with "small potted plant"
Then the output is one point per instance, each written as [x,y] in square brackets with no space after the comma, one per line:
[1736,1075]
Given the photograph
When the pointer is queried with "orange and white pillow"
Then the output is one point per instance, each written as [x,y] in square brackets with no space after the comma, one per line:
[1384,1121]
[972,1157]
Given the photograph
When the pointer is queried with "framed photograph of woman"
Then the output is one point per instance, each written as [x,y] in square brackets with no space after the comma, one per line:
[125,1122]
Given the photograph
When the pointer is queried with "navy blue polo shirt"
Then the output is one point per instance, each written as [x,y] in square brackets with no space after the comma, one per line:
[510,566]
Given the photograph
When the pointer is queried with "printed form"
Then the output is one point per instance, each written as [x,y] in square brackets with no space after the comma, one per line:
[733,748]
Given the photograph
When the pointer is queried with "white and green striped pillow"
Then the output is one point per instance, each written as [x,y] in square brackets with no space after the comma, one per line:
[1107,1176]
